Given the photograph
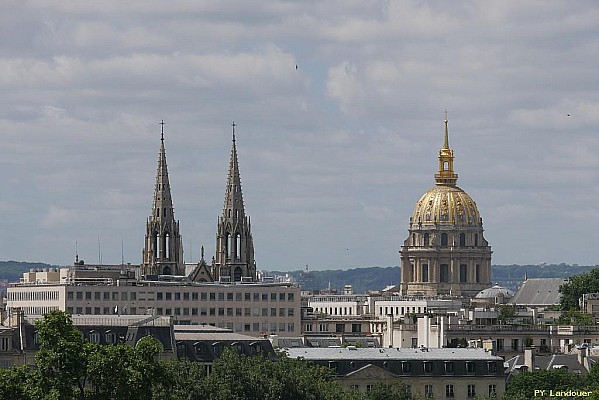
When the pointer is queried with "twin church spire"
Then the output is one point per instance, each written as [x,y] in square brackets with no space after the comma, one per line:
[163,250]
[234,243]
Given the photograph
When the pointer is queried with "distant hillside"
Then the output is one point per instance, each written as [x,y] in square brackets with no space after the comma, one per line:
[376,278]
[12,271]
[362,279]
[511,276]
[367,278]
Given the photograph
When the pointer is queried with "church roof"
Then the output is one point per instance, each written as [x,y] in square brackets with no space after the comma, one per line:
[353,353]
[539,292]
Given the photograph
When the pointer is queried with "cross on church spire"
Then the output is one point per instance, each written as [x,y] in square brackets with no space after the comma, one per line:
[233,125]
[161,123]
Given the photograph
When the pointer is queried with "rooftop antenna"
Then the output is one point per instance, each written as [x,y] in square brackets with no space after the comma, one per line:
[99,251]
[122,253]
[76,253]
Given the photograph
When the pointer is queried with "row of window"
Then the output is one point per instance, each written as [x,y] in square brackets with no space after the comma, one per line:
[33,296]
[177,296]
[444,273]
[334,310]
[429,390]
[401,310]
[194,311]
[448,367]
[339,328]
[38,310]
[257,327]
[426,242]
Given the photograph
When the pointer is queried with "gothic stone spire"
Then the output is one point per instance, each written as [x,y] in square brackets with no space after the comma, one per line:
[163,250]
[234,243]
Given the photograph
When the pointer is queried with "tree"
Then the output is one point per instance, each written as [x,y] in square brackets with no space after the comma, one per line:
[384,391]
[506,313]
[574,317]
[15,383]
[182,380]
[576,286]
[61,358]
[523,385]
[241,377]
[70,368]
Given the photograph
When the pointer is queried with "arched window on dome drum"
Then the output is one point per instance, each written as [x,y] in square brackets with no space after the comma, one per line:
[444,239]
[411,273]
[476,240]
[426,240]
[463,273]
[424,272]
[444,273]
[477,273]
[462,240]
[413,239]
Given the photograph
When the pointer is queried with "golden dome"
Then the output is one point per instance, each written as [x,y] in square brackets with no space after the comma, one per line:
[446,205]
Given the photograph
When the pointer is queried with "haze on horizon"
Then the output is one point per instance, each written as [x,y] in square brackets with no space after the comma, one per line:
[339,107]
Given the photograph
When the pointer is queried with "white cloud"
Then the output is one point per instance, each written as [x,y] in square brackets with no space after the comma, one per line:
[334,153]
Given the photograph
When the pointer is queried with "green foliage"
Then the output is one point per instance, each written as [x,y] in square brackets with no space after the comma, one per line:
[123,372]
[574,317]
[15,383]
[13,270]
[239,377]
[355,344]
[523,385]
[69,368]
[506,313]
[383,391]
[578,285]
[61,359]
[182,380]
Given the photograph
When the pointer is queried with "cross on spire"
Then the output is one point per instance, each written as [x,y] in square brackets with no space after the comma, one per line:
[233,125]
[161,123]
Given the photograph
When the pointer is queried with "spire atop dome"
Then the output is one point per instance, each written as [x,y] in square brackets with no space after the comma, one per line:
[446,142]
[446,176]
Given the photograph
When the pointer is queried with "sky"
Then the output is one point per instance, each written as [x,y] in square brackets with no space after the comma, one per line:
[339,107]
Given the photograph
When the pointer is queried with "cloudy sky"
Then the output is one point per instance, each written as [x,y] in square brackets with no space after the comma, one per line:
[333,154]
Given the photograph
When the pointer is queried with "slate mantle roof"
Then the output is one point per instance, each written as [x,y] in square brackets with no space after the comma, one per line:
[538,292]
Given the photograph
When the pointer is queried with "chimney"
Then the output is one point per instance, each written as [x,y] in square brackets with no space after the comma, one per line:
[16,317]
[529,358]
[582,357]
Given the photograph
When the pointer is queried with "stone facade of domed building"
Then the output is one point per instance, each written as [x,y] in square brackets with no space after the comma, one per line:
[445,252]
